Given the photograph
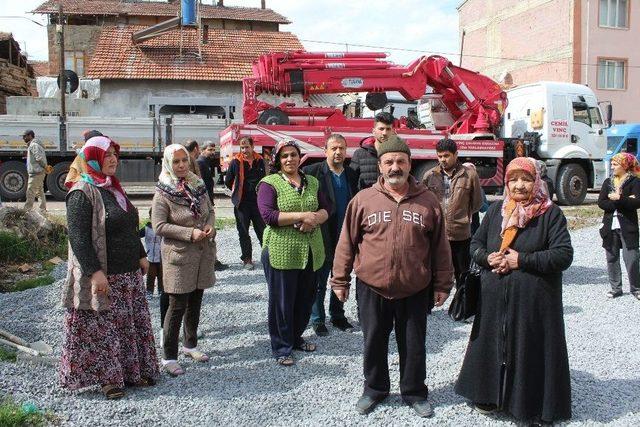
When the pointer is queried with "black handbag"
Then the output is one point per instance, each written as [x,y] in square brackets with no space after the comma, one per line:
[467,298]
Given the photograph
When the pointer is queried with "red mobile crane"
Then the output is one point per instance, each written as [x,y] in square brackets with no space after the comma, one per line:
[475,103]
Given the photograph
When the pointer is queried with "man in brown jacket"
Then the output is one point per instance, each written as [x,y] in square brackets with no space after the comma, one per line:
[458,190]
[393,237]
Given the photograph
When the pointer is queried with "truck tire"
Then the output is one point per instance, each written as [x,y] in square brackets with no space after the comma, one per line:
[421,168]
[273,116]
[571,188]
[55,180]
[13,181]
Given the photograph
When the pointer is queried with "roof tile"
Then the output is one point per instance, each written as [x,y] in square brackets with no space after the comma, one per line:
[227,56]
[118,7]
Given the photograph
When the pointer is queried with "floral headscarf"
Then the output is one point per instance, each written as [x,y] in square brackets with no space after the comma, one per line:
[275,154]
[190,188]
[87,166]
[516,215]
[630,164]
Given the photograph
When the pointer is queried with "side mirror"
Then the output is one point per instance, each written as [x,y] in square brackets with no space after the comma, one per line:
[609,115]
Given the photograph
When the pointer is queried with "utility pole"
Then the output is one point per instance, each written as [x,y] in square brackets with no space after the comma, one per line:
[461,47]
[63,81]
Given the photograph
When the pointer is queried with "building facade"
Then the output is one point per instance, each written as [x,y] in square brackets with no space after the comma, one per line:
[588,42]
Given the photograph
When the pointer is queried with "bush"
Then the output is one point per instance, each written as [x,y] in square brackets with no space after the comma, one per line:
[7,356]
[14,249]
[36,282]
[12,414]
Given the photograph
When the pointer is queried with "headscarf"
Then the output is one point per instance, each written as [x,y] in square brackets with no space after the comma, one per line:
[87,167]
[516,215]
[190,188]
[275,154]
[631,166]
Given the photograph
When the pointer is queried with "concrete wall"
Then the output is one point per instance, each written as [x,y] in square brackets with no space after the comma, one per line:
[128,98]
[600,42]
[511,35]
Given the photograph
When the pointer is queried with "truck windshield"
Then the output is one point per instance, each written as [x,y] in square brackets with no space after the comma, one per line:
[612,143]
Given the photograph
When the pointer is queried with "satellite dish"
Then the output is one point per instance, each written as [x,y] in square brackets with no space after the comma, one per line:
[72,81]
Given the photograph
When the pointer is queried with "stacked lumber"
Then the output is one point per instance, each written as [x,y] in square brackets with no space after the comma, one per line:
[13,79]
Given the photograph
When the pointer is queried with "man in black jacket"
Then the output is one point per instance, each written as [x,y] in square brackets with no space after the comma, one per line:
[245,171]
[339,184]
[204,165]
[365,159]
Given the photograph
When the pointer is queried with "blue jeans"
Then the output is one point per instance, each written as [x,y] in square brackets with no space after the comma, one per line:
[336,308]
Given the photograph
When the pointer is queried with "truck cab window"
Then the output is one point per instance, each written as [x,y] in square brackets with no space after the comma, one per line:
[581,113]
[596,118]
[632,146]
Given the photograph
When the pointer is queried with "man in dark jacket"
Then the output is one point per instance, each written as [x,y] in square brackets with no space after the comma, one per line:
[394,237]
[245,171]
[339,184]
[204,165]
[365,159]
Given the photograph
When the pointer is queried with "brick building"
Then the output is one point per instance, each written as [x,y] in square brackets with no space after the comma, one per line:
[16,73]
[581,41]
[188,63]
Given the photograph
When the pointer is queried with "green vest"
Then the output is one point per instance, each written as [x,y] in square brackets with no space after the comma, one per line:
[289,247]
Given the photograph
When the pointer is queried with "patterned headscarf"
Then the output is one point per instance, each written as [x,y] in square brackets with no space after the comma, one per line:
[87,166]
[630,164]
[189,188]
[275,154]
[516,215]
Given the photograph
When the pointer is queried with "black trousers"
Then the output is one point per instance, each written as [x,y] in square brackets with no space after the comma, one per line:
[291,295]
[247,214]
[378,316]
[460,257]
[187,306]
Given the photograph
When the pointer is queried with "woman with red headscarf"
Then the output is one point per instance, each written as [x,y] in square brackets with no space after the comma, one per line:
[108,337]
[516,360]
[620,201]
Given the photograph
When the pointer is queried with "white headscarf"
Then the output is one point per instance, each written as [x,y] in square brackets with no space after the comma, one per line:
[168,177]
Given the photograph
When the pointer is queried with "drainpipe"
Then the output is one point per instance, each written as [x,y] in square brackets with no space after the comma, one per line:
[586,59]
[263,3]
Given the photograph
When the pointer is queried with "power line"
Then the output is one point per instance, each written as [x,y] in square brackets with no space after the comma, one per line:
[23,17]
[538,61]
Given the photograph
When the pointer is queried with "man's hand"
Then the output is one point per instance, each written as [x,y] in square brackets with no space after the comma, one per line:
[342,294]
[440,298]
[144,265]
[99,283]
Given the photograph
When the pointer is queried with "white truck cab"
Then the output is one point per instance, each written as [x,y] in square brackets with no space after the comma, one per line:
[570,126]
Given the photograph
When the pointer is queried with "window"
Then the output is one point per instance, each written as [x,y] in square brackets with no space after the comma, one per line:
[582,113]
[74,61]
[611,74]
[614,13]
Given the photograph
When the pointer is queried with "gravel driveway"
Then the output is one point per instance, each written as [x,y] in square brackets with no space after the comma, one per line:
[241,385]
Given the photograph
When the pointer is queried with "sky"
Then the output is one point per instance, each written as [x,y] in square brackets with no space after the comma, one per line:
[405,29]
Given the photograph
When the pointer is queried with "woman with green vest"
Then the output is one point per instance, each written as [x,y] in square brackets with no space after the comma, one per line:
[293,209]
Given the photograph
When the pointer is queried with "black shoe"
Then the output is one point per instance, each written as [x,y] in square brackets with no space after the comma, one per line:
[485,408]
[366,404]
[342,324]
[220,266]
[320,330]
[423,408]
[614,294]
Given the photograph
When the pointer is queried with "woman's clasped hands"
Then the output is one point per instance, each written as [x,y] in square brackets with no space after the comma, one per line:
[503,262]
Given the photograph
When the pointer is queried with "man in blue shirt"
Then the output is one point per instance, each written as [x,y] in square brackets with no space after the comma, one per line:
[339,184]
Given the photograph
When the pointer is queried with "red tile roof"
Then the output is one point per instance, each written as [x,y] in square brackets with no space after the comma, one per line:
[118,7]
[226,57]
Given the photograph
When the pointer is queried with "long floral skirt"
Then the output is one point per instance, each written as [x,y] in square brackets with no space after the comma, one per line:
[112,346]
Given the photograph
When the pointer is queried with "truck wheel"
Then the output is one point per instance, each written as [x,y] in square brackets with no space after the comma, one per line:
[572,184]
[421,168]
[13,181]
[55,180]
[273,116]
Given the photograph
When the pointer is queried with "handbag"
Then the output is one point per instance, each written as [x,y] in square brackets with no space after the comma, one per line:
[467,298]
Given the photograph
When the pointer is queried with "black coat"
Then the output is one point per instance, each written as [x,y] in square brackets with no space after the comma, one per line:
[627,208]
[364,162]
[330,227]
[521,322]
[204,165]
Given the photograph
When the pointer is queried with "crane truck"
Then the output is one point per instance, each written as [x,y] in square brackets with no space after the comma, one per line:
[558,123]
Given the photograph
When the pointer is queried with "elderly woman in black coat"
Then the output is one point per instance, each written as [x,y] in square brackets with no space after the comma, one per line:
[516,360]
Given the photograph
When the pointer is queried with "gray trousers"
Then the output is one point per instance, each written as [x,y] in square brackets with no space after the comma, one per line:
[631,262]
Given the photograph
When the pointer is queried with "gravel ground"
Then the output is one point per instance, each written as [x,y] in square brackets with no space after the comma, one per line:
[242,385]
